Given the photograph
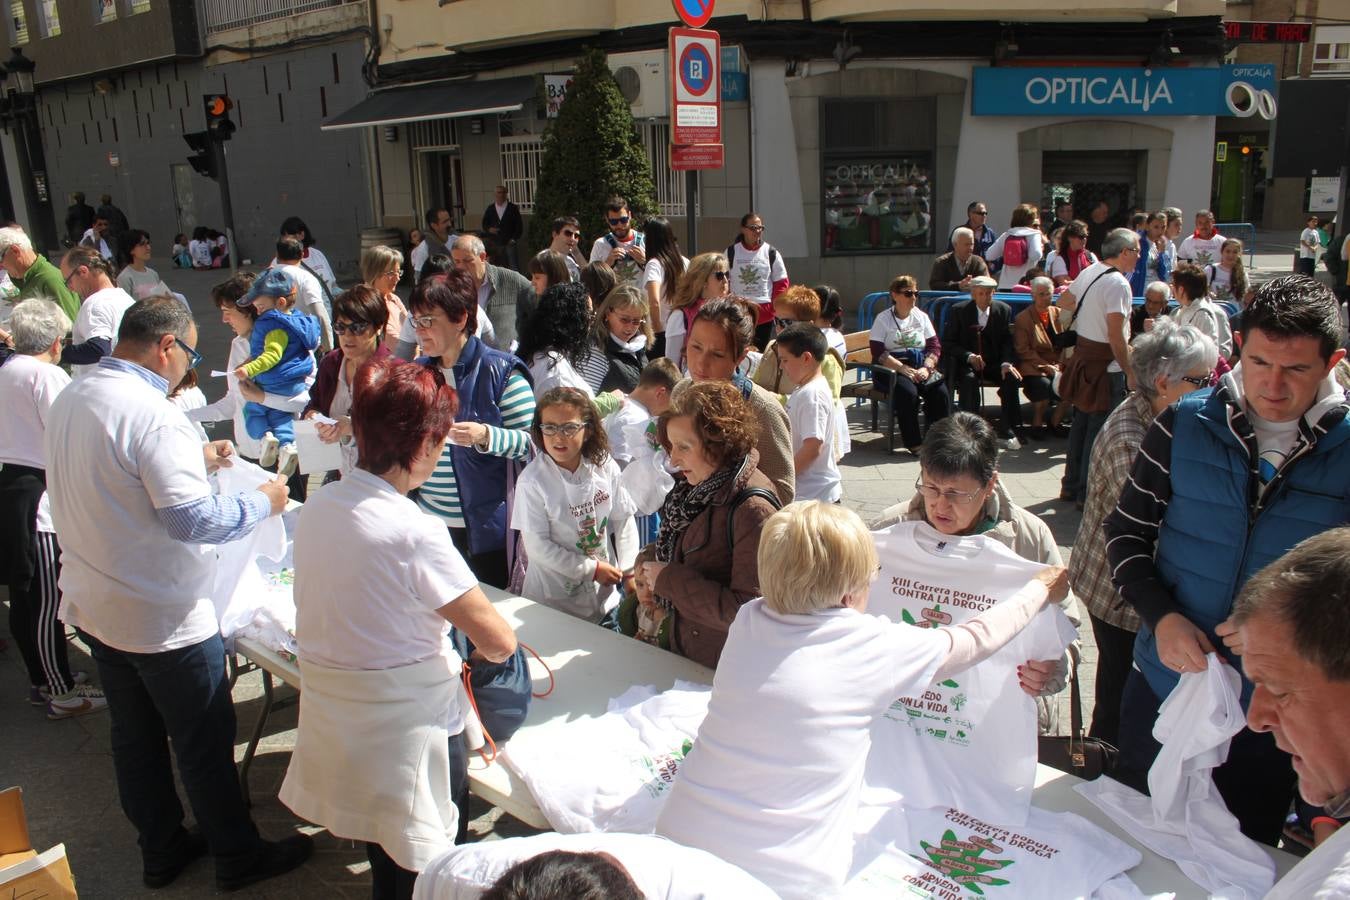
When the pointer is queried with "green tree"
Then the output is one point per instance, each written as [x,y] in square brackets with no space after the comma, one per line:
[591,151]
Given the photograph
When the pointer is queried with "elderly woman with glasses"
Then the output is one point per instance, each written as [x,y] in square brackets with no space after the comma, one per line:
[359,323]
[468,487]
[1169,361]
[958,492]
[381,269]
[904,342]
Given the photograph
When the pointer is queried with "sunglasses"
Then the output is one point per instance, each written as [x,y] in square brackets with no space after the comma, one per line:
[980,212]
[1200,381]
[721,276]
[194,358]
[906,293]
[569,233]
[621,220]
[755,228]
[355,329]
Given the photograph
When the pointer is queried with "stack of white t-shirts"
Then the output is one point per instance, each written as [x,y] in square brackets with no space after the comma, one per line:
[1185,819]
[662,869]
[611,772]
[948,854]
[969,741]
[647,477]
[240,590]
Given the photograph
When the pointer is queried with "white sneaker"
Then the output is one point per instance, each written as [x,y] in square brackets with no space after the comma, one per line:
[287,460]
[81,700]
[269,450]
[1009,443]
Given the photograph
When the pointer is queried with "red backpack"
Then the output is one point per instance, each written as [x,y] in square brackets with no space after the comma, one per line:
[1014,251]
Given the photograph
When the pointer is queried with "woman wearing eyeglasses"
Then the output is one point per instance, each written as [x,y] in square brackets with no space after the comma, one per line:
[757,273]
[621,339]
[707,277]
[381,268]
[958,493]
[1169,361]
[904,342]
[360,317]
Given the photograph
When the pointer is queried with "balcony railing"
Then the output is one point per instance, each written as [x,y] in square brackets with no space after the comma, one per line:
[222,15]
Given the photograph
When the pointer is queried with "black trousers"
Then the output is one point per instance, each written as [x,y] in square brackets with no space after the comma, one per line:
[1009,385]
[1115,655]
[488,567]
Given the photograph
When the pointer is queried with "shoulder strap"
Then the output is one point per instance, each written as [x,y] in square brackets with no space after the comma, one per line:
[611,239]
[773,256]
[319,278]
[743,495]
[731,254]
[1074,317]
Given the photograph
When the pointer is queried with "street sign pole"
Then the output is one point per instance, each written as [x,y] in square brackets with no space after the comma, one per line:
[696,105]
[690,209]
[226,209]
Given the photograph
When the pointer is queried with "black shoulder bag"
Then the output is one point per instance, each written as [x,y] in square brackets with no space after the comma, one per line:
[1086,757]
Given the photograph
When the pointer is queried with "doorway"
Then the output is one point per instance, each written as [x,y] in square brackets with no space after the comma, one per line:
[184,199]
[1087,176]
[440,183]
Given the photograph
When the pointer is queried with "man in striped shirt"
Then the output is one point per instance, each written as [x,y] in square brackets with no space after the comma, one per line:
[1225,482]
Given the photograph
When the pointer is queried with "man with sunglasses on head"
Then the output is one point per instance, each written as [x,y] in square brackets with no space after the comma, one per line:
[1226,481]
[623,247]
[566,235]
[131,502]
[94,333]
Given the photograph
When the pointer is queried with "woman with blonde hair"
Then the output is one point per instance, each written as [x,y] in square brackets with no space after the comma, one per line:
[621,339]
[381,268]
[707,277]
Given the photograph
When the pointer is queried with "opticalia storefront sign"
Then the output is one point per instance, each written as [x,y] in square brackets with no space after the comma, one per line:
[1228,90]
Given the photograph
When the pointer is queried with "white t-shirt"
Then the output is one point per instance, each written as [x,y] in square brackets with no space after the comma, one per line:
[309,299]
[117,451]
[549,370]
[773,780]
[629,416]
[1210,320]
[655,271]
[90,238]
[627,269]
[28,387]
[1220,283]
[1201,251]
[1111,293]
[1059,266]
[1323,874]
[1313,239]
[1009,276]
[835,338]
[100,316]
[566,520]
[752,275]
[909,333]
[200,251]
[371,569]
[968,741]
[812,413]
[662,869]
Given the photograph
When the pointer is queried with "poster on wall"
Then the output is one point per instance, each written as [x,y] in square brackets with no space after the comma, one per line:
[1323,194]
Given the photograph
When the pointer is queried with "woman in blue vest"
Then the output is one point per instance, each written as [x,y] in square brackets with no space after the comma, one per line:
[470,486]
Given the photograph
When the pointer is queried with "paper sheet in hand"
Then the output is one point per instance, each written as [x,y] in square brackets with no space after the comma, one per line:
[216,373]
[315,455]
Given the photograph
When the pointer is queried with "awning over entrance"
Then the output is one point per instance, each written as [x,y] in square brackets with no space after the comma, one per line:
[440,100]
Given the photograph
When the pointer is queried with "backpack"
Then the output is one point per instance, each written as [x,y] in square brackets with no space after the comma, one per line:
[1014,250]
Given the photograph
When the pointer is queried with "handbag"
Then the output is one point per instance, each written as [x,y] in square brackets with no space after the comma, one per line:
[1087,757]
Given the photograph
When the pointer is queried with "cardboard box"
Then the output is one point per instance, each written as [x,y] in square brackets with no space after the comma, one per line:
[23,871]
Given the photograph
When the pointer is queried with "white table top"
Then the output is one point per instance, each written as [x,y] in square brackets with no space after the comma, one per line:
[591,665]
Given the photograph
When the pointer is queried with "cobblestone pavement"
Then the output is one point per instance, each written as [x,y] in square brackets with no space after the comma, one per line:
[65,768]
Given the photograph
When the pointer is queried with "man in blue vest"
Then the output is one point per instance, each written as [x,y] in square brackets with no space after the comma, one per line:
[1225,482]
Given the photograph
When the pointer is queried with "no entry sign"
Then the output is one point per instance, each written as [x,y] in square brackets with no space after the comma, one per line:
[694,13]
[695,58]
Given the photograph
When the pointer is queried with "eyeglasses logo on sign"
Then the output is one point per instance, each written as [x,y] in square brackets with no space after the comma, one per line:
[1241,91]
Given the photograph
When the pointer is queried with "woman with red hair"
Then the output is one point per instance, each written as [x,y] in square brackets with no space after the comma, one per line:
[377,584]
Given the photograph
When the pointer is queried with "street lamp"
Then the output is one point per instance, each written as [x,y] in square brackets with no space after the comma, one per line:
[21,67]
[18,108]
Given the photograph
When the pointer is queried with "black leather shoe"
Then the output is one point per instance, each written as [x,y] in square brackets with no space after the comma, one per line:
[192,847]
[273,858]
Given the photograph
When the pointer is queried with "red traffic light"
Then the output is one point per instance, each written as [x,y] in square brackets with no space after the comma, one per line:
[218,105]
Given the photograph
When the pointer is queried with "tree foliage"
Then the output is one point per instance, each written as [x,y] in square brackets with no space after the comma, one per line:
[592,150]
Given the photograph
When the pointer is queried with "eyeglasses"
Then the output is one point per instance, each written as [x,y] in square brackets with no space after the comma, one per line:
[567,232]
[353,328]
[567,429]
[932,493]
[755,228]
[783,322]
[396,273]
[621,220]
[721,276]
[1200,381]
[908,292]
[194,358]
[633,321]
[421,321]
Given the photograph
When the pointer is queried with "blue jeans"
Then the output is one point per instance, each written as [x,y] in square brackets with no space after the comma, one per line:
[259,419]
[181,695]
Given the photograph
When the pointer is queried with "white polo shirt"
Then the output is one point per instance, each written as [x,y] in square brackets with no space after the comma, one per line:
[100,316]
[117,451]
[28,388]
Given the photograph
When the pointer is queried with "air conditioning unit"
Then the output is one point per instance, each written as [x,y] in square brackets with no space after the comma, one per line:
[642,79]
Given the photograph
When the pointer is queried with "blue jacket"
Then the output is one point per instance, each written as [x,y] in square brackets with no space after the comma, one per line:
[1139,280]
[297,362]
[481,374]
[1217,533]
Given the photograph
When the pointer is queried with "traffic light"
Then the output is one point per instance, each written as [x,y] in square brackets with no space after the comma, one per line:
[218,122]
[203,159]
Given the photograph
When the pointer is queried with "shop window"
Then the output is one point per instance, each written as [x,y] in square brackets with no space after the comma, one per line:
[18,22]
[670,193]
[105,10]
[521,155]
[136,6]
[1331,59]
[877,185]
[49,18]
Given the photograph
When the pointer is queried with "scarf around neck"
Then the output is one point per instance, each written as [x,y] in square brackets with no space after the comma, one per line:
[686,501]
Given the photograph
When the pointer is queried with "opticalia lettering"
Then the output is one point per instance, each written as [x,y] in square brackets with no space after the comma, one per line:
[1142,92]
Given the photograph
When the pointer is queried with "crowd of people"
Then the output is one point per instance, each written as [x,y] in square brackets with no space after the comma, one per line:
[652,443]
